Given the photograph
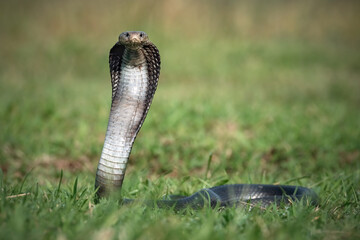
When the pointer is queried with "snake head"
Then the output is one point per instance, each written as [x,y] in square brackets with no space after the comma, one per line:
[133,39]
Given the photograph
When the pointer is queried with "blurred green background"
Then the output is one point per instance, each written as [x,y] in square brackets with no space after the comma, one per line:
[263,85]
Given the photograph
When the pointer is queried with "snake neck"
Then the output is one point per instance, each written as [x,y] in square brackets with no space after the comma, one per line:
[128,111]
[133,57]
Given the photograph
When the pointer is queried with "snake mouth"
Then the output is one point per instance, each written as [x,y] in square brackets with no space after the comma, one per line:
[134,44]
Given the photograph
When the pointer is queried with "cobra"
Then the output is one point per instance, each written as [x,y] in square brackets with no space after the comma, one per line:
[135,69]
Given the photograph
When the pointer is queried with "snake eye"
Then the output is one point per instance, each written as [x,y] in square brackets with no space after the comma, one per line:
[141,35]
[127,34]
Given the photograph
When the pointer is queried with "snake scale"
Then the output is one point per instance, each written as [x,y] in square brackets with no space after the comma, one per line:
[135,69]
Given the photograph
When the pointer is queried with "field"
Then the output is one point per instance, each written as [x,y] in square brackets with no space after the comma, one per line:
[268,91]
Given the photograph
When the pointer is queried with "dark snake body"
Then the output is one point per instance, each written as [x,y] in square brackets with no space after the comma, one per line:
[135,68]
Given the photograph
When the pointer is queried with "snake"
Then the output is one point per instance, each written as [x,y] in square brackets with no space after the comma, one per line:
[135,69]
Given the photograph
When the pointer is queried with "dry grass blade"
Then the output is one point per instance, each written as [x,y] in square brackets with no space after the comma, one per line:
[18,195]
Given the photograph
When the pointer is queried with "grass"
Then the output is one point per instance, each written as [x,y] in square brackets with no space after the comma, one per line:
[271,101]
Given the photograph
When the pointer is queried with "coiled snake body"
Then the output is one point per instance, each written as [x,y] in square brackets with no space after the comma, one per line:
[135,68]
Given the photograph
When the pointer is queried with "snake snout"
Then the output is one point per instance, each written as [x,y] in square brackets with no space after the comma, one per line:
[135,39]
